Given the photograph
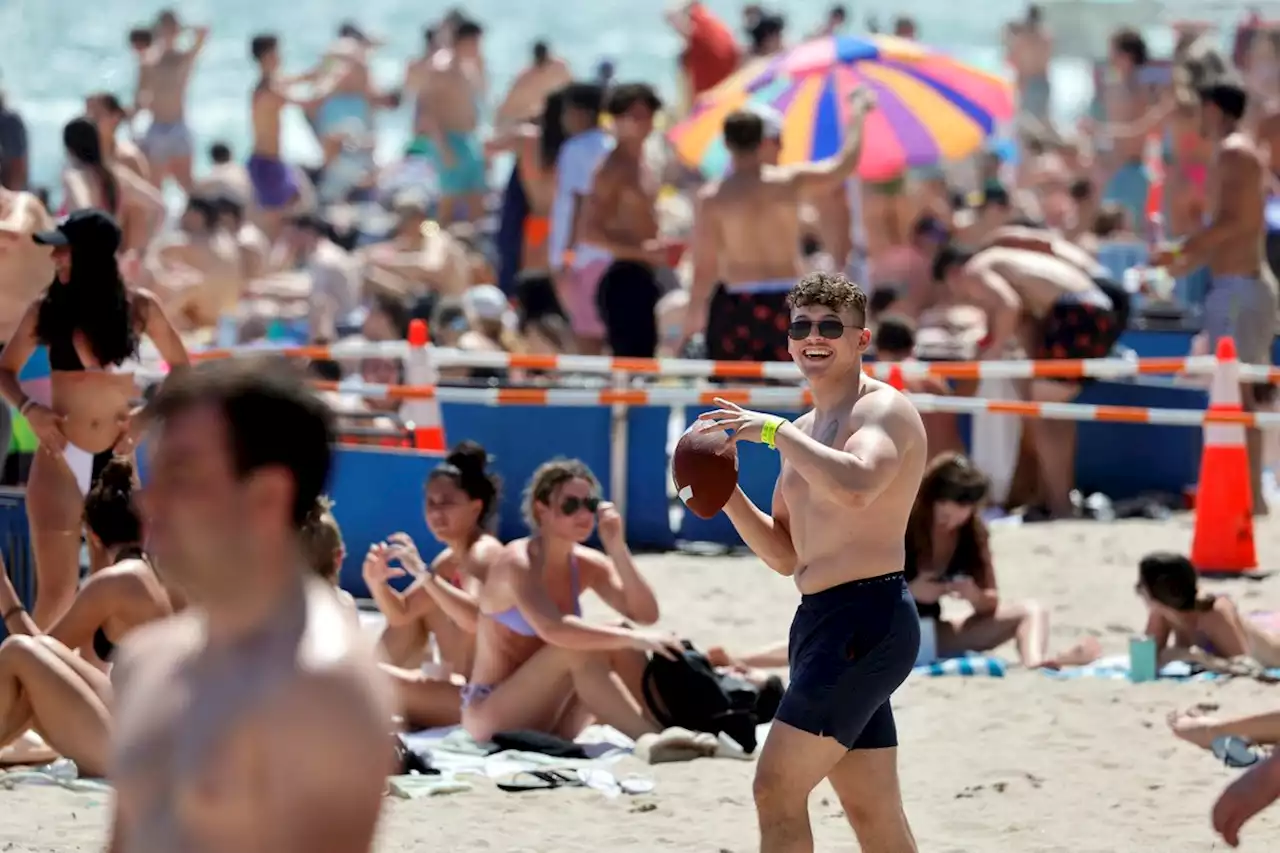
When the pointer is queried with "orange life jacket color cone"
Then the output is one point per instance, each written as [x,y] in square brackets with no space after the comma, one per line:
[895,378]
[428,422]
[1223,539]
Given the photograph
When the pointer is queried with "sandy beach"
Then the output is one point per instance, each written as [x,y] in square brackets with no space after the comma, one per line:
[1024,763]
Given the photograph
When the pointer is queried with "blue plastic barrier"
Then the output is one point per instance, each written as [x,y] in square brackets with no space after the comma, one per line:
[378,492]
[758,468]
[1171,344]
[1125,460]
[15,545]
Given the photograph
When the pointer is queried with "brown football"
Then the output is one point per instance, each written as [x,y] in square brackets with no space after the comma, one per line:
[705,469]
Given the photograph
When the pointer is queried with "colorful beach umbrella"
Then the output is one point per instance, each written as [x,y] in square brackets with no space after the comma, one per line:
[929,107]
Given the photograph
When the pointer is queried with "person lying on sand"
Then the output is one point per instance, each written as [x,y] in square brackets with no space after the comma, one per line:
[948,554]
[461,498]
[539,665]
[1181,619]
[44,684]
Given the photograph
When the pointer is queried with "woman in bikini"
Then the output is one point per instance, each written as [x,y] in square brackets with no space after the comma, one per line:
[1186,622]
[949,556]
[45,685]
[85,325]
[539,665]
[461,499]
[90,180]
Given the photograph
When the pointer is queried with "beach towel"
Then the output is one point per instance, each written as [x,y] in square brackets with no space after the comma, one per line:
[970,665]
[63,773]
[453,752]
[1116,667]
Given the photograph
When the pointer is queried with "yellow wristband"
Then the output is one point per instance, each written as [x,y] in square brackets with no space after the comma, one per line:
[770,430]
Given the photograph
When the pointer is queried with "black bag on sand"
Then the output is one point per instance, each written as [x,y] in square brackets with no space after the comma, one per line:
[690,693]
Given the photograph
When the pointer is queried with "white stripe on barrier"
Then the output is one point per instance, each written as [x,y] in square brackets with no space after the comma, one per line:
[1103,368]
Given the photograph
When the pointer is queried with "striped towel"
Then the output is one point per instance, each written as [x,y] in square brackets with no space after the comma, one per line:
[1116,668]
[971,665]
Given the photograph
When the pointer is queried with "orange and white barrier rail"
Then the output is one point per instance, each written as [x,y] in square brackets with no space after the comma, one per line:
[789,398]
[1099,368]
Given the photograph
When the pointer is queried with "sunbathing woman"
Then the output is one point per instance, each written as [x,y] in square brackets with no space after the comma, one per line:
[539,665]
[90,325]
[44,684]
[949,555]
[1182,619]
[461,499]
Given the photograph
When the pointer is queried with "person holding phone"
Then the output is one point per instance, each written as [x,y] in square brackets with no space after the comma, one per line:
[460,501]
[949,556]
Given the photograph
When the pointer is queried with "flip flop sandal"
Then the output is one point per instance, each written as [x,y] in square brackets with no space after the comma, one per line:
[1235,752]
[538,780]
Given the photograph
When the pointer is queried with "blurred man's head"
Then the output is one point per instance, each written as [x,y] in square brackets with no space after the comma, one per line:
[466,39]
[105,111]
[766,35]
[744,135]
[1128,51]
[167,26]
[583,103]
[140,39]
[200,217]
[1222,106]
[265,49]
[895,338]
[633,107]
[241,452]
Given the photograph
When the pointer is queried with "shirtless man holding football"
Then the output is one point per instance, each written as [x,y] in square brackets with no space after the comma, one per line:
[850,472]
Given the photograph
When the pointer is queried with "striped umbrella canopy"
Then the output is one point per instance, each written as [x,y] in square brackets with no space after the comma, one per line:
[929,107]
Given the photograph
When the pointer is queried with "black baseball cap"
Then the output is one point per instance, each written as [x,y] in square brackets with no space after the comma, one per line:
[85,230]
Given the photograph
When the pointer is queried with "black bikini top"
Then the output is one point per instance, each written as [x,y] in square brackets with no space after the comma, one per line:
[103,647]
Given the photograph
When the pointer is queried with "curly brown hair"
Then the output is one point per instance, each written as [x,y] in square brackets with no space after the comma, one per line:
[830,290]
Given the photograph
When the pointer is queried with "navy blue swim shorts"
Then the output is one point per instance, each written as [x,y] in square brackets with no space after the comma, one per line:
[851,646]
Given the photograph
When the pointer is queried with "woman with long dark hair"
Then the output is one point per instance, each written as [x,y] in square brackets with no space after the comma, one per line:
[89,325]
[460,501]
[90,180]
[44,683]
[949,556]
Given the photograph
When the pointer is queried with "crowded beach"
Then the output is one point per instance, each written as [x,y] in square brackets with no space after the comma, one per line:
[345,505]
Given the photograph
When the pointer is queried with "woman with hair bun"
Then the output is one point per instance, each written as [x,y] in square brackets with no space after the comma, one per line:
[44,684]
[461,499]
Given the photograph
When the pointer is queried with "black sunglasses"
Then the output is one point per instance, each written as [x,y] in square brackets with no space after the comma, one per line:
[830,329]
[570,506]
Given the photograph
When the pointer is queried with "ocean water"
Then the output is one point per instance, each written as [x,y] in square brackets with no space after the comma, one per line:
[57,51]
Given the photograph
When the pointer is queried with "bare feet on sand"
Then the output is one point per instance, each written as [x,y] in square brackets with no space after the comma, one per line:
[1195,725]
[1084,652]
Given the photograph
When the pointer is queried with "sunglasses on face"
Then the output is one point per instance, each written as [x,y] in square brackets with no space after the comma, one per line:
[830,329]
[570,506]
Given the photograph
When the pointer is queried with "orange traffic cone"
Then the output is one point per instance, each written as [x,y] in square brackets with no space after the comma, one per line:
[1223,538]
[428,423]
[895,379]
